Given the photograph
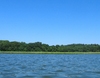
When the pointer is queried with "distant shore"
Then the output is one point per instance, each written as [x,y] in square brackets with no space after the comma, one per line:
[30,52]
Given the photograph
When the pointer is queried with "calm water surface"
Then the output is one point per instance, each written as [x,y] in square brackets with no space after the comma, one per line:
[49,66]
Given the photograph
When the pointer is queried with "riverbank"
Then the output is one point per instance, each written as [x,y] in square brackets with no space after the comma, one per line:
[26,52]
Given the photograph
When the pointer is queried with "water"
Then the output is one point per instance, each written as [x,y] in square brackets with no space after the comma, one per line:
[49,66]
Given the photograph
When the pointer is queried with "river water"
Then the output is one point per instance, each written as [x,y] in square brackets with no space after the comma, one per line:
[49,66]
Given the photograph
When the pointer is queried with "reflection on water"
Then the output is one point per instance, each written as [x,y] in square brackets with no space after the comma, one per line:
[49,66]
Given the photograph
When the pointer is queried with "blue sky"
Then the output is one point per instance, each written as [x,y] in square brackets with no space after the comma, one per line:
[50,21]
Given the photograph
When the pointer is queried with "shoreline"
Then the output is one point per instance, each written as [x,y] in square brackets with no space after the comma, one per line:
[29,52]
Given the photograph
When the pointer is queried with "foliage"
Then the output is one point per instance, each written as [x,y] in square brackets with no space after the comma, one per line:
[6,45]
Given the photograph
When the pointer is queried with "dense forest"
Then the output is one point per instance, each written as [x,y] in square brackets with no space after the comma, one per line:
[6,45]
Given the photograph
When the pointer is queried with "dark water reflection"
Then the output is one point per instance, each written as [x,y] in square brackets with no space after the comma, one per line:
[49,66]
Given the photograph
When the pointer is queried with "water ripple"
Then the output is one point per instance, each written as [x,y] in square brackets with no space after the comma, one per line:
[49,66]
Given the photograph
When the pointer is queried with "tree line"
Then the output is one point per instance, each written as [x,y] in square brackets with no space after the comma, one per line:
[6,45]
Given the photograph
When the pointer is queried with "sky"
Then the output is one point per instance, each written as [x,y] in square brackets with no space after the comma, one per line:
[50,21]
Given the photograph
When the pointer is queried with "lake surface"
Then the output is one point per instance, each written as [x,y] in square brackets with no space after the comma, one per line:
[49,66]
